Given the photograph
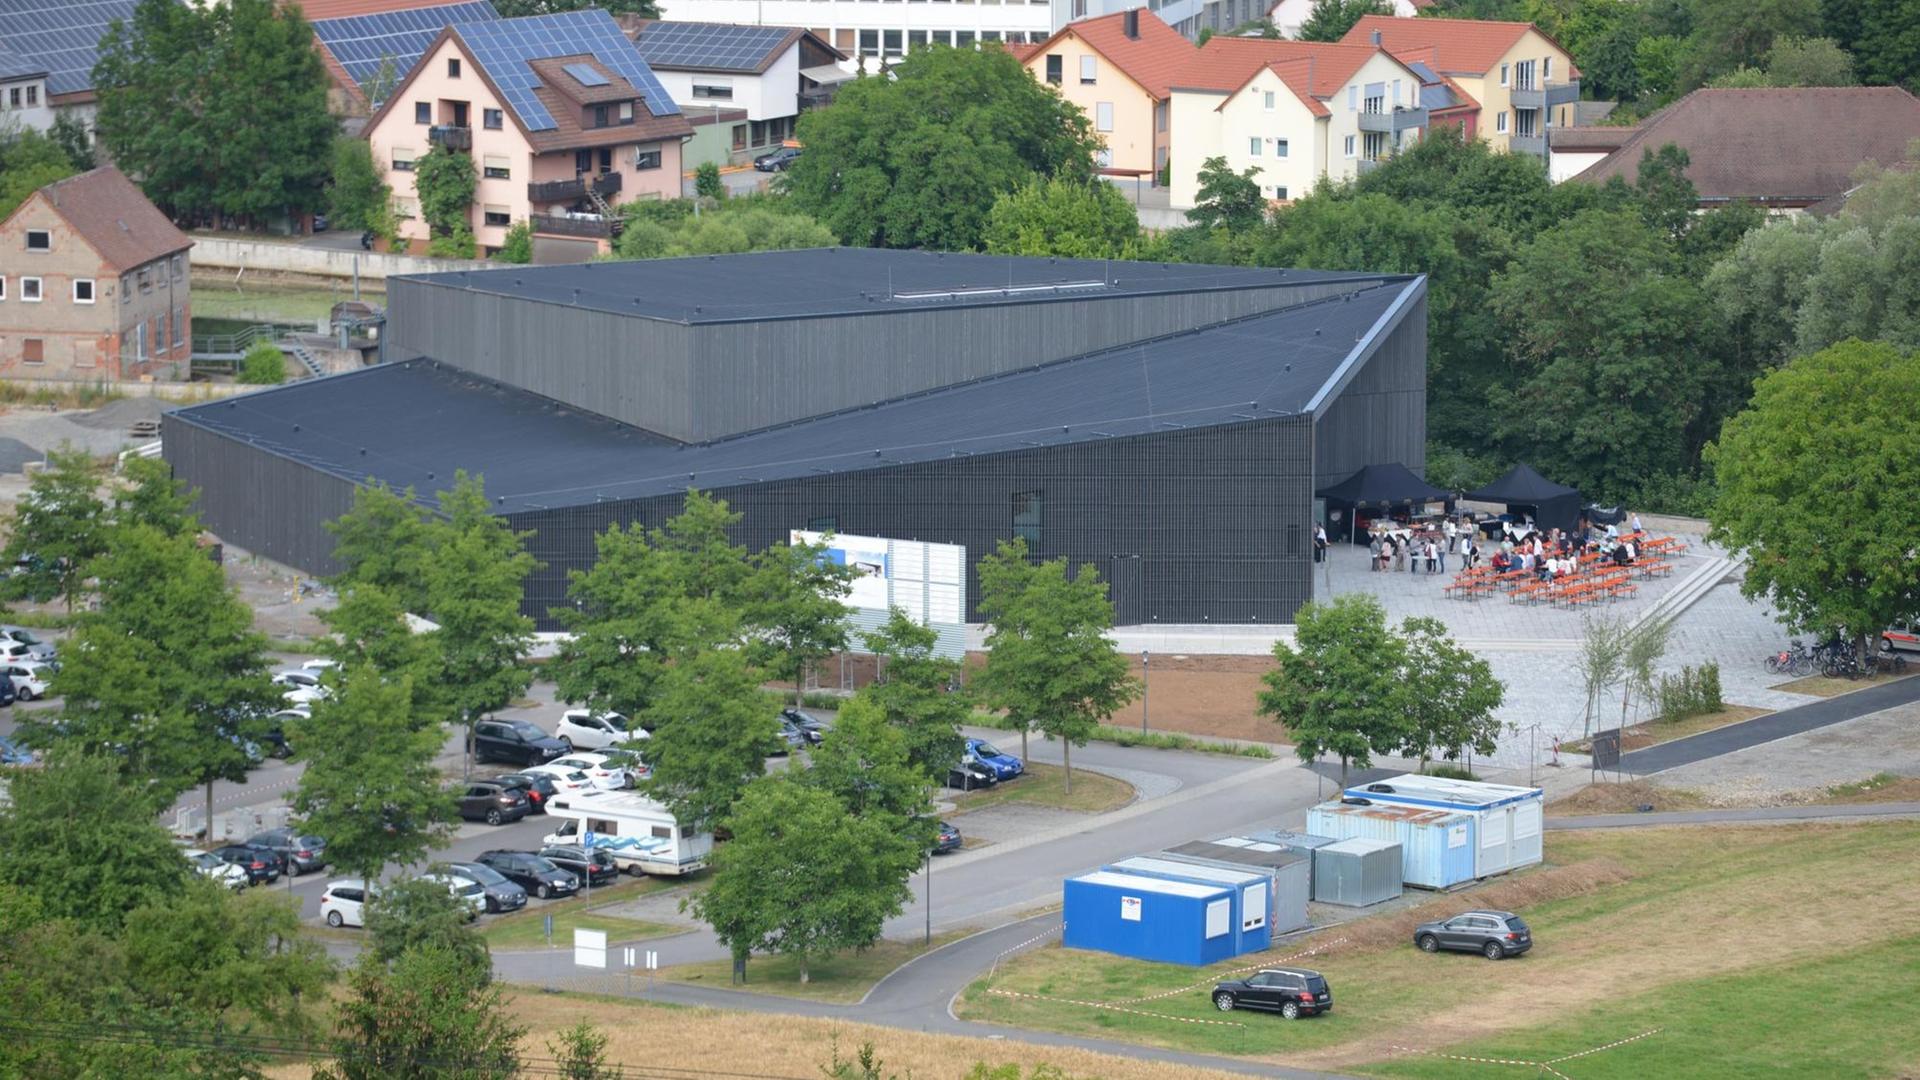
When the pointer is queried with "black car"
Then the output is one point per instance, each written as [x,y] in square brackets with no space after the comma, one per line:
[815,727]
[1291,992]
[501,894]
[539,787]
[531,872]
[301,853]
[262,865]
[1495,935]
[794,737]
[7,694]
[777,160]
[492,802]
[967,775]
[514,740]
[573,859]
[946,839]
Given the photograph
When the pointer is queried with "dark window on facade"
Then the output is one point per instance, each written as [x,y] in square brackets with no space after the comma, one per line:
[39,240]
[582,160]
[1026,517]
[759,133]
[453,67]
[739,136]
[422,112]
[829,523]
[146,279]
[33,95]
[606,158]
[712,93]
[646,159]
[498,172]
[599,116]
[494,218]
[869,42]
[33,351]
[894,42]
[491,119]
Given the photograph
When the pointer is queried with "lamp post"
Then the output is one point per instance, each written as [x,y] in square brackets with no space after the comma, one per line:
[1143,691]
[929,939]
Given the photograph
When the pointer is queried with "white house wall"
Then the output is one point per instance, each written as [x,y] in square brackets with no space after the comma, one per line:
[767,96]
[840,21]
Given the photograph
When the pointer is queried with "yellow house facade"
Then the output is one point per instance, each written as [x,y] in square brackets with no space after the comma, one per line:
[1116,68]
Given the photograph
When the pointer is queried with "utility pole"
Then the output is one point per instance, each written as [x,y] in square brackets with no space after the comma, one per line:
[929,857]
[1143,691]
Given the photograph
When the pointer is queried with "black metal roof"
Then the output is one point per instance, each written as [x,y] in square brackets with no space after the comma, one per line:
[816,282]
[412,424]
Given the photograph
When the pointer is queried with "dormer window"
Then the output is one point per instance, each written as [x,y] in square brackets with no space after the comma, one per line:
[39,240]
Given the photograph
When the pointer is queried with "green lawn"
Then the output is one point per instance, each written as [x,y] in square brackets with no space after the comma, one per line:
[258,304]
[514,932]
[844,977]
[1045,785]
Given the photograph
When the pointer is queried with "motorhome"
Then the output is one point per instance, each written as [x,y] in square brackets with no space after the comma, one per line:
[642,836]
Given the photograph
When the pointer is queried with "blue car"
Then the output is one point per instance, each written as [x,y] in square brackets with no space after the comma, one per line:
[1005,766]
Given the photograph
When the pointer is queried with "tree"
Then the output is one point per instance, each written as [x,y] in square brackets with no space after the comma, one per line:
[1730,33]
[581,1054]
[413,914]
[1336,687]
[1331,19]
[370,629]
[917,158]
[474,581]
[518,245]
[445,180]
[383,541]
[1065,218]
[1448,695]
[262,365]
[70,134]
[707,183]
[863,762]
[29,161]
[802,876]
[1641,648]
[1602,652]
[1667,197]
[745,223]
[915,691]
[798,609]
[455,243]
[150,495]
[422,1017]
[1049,661]
[59,526]
[712,731]
[1803,475]
[1227,199]
[370,786]
[232,961]
[358,195]
[1888,45]
[1809,61]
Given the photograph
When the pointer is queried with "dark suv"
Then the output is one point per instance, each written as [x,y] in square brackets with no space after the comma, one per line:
[531,872]
[573,859]
[539,787]
[1291,992]
[514,740]
[1495,935]
[301,853]
[263,865]
[492,802]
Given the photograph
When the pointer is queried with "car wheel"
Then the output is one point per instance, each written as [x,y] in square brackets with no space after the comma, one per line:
[493,817]
[1290,1010]
[1493,951]
[634,869]
[569,743]
[542,891]
[1223,1001]
[333,919]
[1429,943]
[25,693]
[492,905]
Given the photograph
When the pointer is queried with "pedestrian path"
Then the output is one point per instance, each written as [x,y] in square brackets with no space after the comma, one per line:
[1736,816]
[1764,729]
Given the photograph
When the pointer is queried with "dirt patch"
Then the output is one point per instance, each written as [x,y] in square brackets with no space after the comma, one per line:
[1514,893]
[1821,686]
[1624,798]
[1880,789]
[1204,695]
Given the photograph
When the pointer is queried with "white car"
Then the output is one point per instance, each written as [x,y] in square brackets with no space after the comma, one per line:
[584,730]
[30,678]
[570,778]
[344,903]
[14,652]
[41,648]
[464,889]
[300,687]
[605,775]
[207,864]
[319,666]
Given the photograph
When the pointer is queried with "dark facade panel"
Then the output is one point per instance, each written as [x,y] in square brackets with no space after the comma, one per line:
[1381,417]
[269,505]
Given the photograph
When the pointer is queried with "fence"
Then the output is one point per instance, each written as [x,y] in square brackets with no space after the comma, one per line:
[259,256]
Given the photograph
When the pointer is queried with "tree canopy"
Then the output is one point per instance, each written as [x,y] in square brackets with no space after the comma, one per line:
[1329,20]
[1069,219]
[915,691]
[1337,686]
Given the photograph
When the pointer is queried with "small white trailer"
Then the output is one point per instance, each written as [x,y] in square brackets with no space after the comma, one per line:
[642,836]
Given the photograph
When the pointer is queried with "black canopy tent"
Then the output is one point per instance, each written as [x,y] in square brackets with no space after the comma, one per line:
[1380,485]
[1554,506]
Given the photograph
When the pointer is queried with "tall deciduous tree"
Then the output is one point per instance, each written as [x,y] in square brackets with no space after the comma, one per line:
[1337,686]
[422,1017]
[59,526]
[358,194]
[474,582]
[1049,661]
[864,762]
[712,731]
[1448,694]
[416,914]
[796,606]
[1805,477]
[1227,199]
[151,495]
[1071,219]
[916,691]
[383,541]
[83,840]
[369,628]
[1329,20]
[917,157]
[29,161]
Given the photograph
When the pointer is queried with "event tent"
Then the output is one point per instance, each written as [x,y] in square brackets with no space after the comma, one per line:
[1382,485]
[1554,506]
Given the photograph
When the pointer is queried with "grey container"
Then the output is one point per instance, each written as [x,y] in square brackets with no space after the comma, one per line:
[1291,872]
[1356,873]
[1307,844]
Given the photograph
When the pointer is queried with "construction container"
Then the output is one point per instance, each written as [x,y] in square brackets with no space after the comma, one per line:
[1436,846]
[1252,894]
[1148,918]
[1506,820]
[1292,872]
[1357,873]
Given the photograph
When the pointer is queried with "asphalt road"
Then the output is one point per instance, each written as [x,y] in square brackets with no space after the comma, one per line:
[1765,729]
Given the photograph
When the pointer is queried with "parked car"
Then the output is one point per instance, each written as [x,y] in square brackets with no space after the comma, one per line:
[28,679]
[531,872]
[302,853]
[1495,935]
[565,780]
[209,865]
[539,787]
[492,802]
[13,652]
[39,647]
[1004,765]
[806,721]
[344,903]
[966,775]
[12,753]
[319,665]
[499,893]
[514,740]
[464,889]
[796,737]
[599,768]
[573,859]
[261,864]
[1291,992]
[7,695]
[946,839]
[777,160]
[1901,637]
[582,729]
[300,686]
[631,762]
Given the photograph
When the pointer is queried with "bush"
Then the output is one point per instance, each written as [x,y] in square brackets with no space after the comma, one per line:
[1693,692]
[456,243]
[518,247]
[706,182]
[1155,740]
[263,365]
[1450,772]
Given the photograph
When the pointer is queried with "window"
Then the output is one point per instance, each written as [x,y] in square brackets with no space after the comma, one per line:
[739,136]
[1267,99]
[179,326]
[3,286]
[606,159]
[1280,150]
[1089,70]
[662,832]
[83,290]
[491,119]
[1103,116]
[626,112]
[402,159]
[496,167]
[33,351]
[1374,106]
[1526,123]
[1546,68]
[140,342]
[495,215]
[405,209]
[179,267]
[30,289]
[712,93]
[1349,146]
[1280,193]
[646,159]
[453,67]
[146,279]
[1503,74]
[39,240]
[1053,69]
[1026,517]
[828,523]
[1160,117]
[1373,145]
[1523,76]
[916,39]
[963,39]
[893,41]
[869,43]
[1253,146]
[1499,124]
[126,288]
[33,95]
[15,98]
[422,112]
[599,116]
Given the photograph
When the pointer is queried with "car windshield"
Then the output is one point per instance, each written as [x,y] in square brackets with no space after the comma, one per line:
[25,638]
[1514,924]
[480,872]
[542,866]
[576,775]
[526,729]
[207,862]
[471,888]
[986,749]
[615,721]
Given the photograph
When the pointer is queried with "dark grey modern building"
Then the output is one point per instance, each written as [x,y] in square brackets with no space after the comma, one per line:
[1165,424]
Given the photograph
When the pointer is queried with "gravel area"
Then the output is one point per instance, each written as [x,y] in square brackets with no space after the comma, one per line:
[123,414]
[1800,767]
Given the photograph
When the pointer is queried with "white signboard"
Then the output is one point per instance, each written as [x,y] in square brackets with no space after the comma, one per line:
[926,581]
[1254,915]
[590,948]
[1218,914]
[1129,909]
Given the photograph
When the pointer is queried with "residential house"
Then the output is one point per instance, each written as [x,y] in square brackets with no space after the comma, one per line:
[1289,15]
[1733,140]
[93,284]
[1295,111]
[59,41]
[768,73]
[563,118]
[1119,69]
[369,46]
[875,34]
[1574,150]
[1525,81]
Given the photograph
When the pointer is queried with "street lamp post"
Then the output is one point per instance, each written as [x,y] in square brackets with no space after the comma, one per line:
[929,939]
[1143,691]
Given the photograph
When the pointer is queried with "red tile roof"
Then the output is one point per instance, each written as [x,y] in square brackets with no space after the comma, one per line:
[1154,59]
[1021,51]
[1458,46]
[114,217]
[1226,63]
[315,10]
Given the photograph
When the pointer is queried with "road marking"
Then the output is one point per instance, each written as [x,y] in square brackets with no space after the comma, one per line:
[1116,1008]
[1226,974]
[1548,1065]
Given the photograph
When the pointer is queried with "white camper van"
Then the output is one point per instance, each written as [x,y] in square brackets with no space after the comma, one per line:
[640,834]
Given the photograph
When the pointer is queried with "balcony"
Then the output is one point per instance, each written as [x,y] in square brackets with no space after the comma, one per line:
[451,136]
[585,226]
[1393,121]
[1366,165]
[1528,144]
[1546,95]
[553,191]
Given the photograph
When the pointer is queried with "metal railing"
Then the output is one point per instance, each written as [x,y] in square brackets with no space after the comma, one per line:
[451,136]
[1397,119]
[1546,94]
[236,343]
[551,191]
[597,228]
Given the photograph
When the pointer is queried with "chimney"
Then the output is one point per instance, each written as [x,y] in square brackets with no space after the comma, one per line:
[1131,22]
[1376,39]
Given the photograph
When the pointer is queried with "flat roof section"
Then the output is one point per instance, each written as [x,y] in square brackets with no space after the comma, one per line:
[816,282]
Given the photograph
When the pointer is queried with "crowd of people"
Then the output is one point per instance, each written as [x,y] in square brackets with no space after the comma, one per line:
[1426,546]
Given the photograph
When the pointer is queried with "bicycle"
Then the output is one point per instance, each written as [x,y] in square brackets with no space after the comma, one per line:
[1794,659]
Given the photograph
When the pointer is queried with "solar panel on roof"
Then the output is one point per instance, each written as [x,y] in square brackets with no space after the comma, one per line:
[585,75]
[60,37]
[363,44]
[505,48]
[709,46]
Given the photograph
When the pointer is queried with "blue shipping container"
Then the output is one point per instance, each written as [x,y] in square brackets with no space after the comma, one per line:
[1252,894]
[1171,922]
[1436,846]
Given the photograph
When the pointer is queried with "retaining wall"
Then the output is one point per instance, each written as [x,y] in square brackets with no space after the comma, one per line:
[256,256]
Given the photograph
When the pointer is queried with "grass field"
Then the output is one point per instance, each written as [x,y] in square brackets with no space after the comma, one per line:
[257,304]
[1625,919]
[1652,732]
[843,977]
[1045,785]
[526,928]
[1821,686]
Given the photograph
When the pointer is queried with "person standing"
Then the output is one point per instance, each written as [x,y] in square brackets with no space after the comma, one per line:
[1453,537]
[1432,550]
[1442,548]
[1399,555]
[1373,546]
[1319,543]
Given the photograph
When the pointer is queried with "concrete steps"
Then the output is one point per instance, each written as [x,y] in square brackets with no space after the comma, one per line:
[1689,591]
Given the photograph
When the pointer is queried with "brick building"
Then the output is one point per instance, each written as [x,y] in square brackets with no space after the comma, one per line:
[93,284]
